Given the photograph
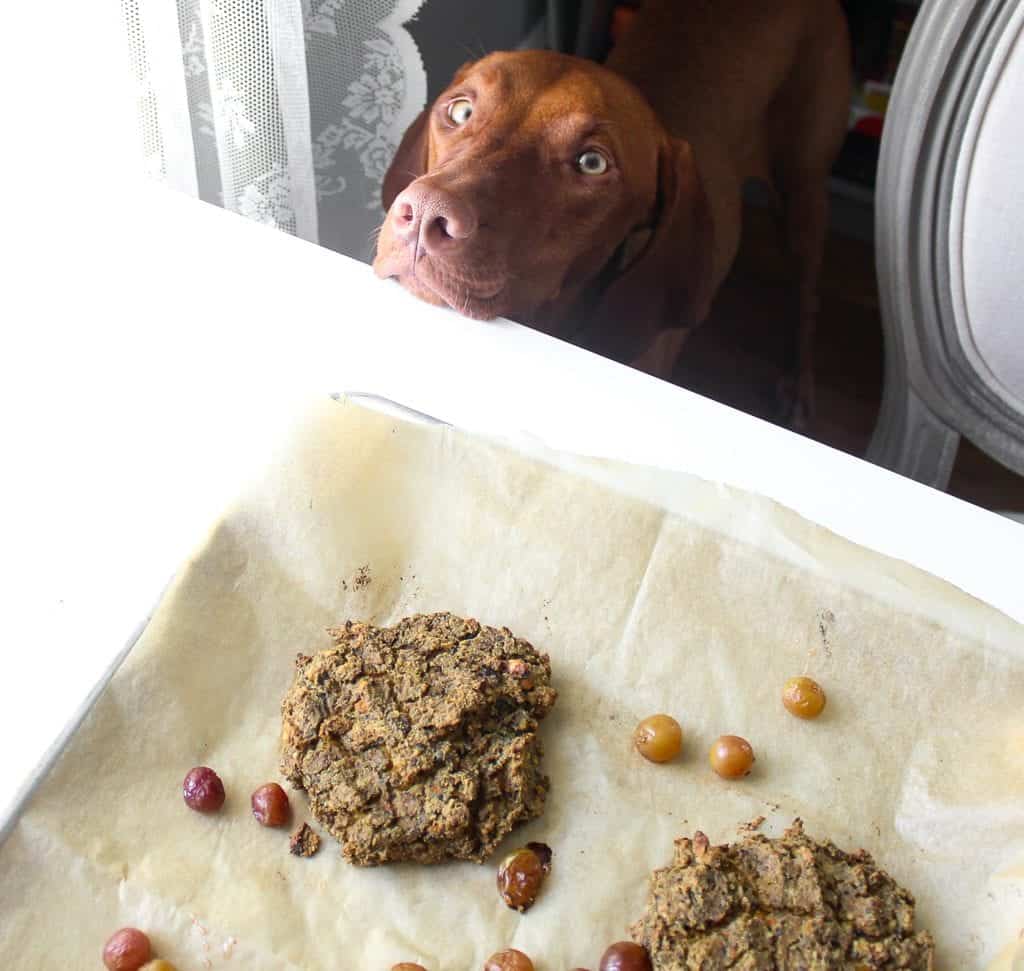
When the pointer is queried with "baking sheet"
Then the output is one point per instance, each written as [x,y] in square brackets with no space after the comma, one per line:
[651,591]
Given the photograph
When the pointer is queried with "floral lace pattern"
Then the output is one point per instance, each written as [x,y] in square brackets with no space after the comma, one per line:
[268,199]
[321,16]
[365,87]
[365,83]
[372,102]
[192,52]
[234,113]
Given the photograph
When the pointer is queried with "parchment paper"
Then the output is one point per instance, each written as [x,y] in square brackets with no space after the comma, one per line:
[702,612]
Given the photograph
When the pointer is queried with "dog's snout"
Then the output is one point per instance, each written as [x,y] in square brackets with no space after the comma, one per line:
[439,219]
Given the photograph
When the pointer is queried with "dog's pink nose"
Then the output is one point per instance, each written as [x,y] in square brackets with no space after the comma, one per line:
[438,218]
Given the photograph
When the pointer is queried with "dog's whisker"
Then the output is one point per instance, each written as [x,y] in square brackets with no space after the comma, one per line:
[476,51]
[373,237]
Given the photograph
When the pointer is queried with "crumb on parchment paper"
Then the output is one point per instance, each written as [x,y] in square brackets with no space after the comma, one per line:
[359,580]
[304,841]
[753,825]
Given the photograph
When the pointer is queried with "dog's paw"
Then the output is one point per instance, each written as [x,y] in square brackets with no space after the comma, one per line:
[796,402]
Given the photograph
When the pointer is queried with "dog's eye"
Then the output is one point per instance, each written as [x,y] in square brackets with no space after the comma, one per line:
[592,162]
[460,110]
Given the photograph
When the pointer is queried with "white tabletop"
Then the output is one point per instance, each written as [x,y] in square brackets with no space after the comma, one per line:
[159,344]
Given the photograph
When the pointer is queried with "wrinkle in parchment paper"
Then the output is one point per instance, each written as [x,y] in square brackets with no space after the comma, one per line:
[700,604]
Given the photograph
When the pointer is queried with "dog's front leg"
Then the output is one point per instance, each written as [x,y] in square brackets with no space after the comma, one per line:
[804,224]
[660,357]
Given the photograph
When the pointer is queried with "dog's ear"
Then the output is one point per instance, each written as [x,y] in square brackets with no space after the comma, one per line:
[666,282]
[410,161]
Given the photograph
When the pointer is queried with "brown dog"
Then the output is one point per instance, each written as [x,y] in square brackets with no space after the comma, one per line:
[603,203]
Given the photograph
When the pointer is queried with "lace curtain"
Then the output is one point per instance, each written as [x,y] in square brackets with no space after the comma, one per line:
[285,111]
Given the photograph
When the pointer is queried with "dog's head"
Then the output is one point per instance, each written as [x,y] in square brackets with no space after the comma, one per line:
[534,176]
